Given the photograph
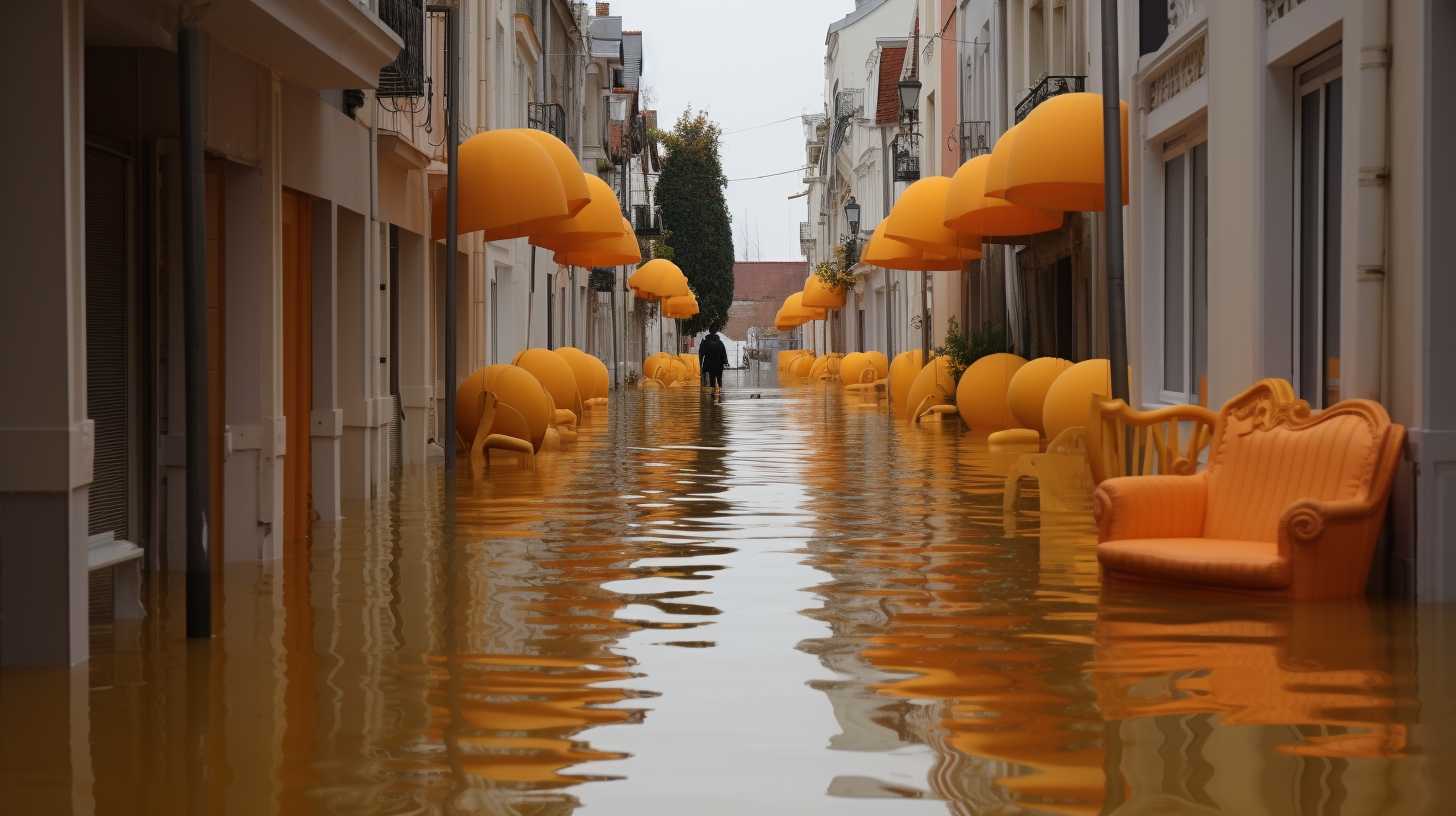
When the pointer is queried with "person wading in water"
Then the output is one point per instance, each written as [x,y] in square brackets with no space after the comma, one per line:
[713,358]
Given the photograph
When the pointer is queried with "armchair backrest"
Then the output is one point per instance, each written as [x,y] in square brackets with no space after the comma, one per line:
[1270,451]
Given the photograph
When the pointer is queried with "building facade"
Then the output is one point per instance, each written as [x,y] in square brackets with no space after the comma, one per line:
[324,128]
[1309,254]
[1312,253]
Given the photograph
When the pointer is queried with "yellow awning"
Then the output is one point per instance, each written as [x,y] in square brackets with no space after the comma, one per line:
[892,254]
[1056,160]
[614,251]
[970,212]
[601,218]
[509,187]
[918,219]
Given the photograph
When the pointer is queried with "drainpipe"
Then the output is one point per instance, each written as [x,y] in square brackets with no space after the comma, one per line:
[1112,202]
[452,230]
[191,92]
[889,273]
[1009,282]
[1366,378]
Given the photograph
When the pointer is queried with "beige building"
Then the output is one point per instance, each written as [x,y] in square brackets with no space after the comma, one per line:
[1290,204]
[323,128]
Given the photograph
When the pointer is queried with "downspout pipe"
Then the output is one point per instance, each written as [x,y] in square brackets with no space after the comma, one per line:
[1366,375]
[452,232]
[1112,203]
[191,81]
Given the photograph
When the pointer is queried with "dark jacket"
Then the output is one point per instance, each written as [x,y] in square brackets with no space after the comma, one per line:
[712,354]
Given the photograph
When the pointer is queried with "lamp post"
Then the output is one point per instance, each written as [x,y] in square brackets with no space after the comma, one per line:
[851,217]
[910,100]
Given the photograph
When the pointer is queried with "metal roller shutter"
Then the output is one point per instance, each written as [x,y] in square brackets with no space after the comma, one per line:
[108,369]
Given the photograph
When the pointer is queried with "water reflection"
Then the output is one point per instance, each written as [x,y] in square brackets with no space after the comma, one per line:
[778,604]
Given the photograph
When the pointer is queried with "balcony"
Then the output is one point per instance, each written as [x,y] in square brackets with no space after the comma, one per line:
[547,116]
[848,104]
[974,139]
[406,75]
[806,232]
[906,151]
[1049,87]
[646,215]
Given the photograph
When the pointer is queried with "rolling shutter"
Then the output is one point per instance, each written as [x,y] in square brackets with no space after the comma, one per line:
[108,368]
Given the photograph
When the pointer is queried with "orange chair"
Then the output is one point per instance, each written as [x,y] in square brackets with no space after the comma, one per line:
[1291,503]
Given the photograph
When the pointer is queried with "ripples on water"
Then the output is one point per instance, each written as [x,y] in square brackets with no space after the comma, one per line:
[780,605]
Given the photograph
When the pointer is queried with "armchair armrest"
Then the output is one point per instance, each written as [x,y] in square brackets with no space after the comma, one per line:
[1330,545]
[1150,507]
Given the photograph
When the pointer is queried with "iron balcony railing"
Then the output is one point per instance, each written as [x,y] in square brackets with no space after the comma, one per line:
[973,139]
[806,231]
[406,75]
[646,214]
[1049,87]
[906,150]
[848,104]
[547,116]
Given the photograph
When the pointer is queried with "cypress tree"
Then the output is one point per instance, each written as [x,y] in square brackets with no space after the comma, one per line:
[695,216]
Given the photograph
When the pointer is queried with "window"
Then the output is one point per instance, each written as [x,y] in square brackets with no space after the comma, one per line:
[1185,270]
[1318,140]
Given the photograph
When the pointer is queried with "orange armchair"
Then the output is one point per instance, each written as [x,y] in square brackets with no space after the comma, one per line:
[1291,502]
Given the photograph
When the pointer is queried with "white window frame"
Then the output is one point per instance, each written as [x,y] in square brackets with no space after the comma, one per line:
[1179,144]
[1314,74]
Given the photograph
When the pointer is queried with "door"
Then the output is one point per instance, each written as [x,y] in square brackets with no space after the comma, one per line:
[1317,190]
[297,369]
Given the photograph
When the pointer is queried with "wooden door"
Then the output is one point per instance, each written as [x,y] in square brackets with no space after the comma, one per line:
[297,368]
[216,218]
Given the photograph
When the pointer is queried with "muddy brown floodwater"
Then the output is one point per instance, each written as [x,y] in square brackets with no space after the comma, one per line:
[787,604]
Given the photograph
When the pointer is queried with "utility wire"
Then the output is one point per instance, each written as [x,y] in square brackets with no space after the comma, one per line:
[764,125]
[770,175]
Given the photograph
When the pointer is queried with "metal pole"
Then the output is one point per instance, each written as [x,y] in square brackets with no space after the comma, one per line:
[452,229]
[925,317]
[616,359]
[194,329]
[1112,209]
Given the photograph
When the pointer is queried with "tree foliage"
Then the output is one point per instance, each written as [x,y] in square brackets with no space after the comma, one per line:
[695,215]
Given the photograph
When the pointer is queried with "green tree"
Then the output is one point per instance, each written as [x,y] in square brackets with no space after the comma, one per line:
[695,216]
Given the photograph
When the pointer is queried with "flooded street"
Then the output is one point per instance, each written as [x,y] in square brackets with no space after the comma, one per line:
[784,604]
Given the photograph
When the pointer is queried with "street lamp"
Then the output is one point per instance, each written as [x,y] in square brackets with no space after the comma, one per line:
[851,216]
[910,99]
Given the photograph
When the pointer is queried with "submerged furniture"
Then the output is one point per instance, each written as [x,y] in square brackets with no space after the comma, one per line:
[1062,472]
[1123,441]
[1291,503]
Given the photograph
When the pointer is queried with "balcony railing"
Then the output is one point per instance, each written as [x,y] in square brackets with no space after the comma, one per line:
[848,104]
[406,75]
[806,231]
[906,150]
[646,214]
[973,139]
[547,116]
[1049,87]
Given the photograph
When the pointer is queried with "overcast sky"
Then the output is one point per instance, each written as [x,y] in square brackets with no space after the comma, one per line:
[747,63]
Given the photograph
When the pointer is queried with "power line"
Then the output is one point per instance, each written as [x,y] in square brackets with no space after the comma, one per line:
[763,125]
[770,175]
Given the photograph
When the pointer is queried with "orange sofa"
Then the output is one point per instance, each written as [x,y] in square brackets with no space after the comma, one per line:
[1291,502]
